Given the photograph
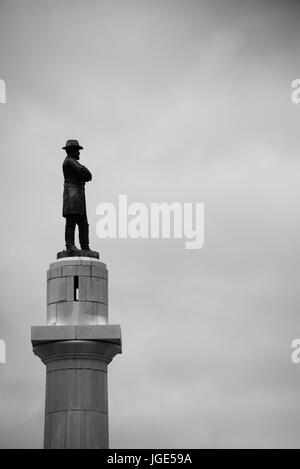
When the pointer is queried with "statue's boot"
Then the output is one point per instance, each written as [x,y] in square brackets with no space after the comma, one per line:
[73,249]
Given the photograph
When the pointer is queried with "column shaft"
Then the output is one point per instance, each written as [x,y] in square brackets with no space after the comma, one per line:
[76,410]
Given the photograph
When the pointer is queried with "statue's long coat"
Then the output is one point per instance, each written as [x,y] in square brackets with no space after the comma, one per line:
[76,175]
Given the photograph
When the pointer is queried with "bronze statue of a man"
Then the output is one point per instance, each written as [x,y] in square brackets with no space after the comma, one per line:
[74,205]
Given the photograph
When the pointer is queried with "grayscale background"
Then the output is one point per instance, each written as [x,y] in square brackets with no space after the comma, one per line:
[175,101]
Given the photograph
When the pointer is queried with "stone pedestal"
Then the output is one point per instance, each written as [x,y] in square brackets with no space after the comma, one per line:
[76,346]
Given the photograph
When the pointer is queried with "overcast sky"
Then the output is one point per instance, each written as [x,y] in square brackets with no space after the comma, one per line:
[176,101]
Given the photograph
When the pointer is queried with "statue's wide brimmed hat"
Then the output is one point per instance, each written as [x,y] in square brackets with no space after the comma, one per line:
[72,143]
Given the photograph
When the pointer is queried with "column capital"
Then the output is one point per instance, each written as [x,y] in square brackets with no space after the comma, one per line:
[76,350]
[76,342]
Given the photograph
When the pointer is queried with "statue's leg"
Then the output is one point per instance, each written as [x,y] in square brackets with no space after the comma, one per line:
[84,233]
[70,231]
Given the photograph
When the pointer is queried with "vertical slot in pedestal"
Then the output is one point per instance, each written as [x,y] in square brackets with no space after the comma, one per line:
[76,288]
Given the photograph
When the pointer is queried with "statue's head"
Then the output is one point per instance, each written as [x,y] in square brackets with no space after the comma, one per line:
[73,148]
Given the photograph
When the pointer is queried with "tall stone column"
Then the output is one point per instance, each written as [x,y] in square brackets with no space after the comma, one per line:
[76,346]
